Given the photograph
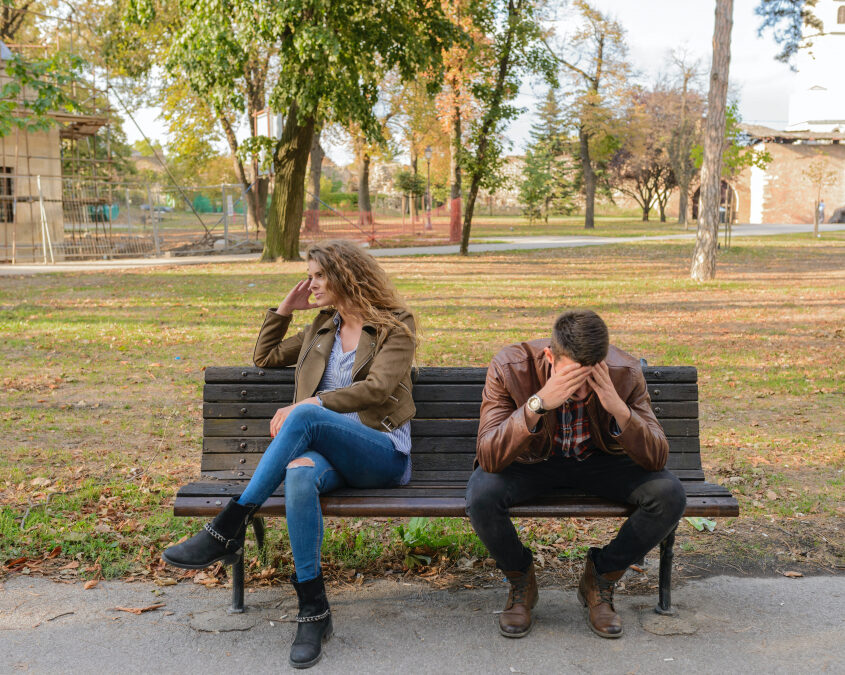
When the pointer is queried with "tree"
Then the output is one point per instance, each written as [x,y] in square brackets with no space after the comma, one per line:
[216,68]
[514,50]
[417,122]
[793,24]
[703,266]
[685,133]
[641,167]
[545,187]
[819,175]
[464,65]
[328,59]
[595,56]
[36,87]
[315,162]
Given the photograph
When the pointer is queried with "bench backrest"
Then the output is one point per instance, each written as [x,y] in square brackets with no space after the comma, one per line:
[239,402]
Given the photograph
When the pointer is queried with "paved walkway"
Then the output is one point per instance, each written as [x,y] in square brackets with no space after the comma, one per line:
[724,625]
[481,246]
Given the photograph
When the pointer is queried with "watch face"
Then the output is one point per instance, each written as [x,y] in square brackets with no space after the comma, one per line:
[534,403]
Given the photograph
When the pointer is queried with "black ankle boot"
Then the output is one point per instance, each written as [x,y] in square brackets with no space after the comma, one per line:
[221,539]
[315,622]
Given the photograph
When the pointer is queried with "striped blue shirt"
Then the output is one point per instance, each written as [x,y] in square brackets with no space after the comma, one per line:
[338,374]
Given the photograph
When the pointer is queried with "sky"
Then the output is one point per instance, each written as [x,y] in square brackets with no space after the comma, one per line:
[654,28]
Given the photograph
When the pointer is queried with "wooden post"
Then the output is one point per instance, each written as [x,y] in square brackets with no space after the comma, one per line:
[224,207]
[155,223]
[45,230]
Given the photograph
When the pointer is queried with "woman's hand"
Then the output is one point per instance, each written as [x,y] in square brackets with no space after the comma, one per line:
[282,414]
[297,298]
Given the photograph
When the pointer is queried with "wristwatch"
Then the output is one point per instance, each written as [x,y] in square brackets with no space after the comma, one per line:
[535,404]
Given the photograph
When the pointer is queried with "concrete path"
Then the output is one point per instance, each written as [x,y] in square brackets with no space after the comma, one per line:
[497,244]
[724,625]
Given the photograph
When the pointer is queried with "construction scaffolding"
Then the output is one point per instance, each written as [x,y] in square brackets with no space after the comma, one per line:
[59,186]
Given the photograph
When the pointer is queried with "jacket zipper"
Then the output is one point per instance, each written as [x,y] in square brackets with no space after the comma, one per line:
[358,369]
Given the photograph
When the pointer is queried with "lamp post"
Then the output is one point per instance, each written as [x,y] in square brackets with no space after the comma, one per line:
[428,152]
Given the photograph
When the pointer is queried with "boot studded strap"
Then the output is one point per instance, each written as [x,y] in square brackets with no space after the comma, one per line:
[310,619]
[219,537]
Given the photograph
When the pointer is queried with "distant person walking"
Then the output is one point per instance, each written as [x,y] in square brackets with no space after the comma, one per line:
[821,211]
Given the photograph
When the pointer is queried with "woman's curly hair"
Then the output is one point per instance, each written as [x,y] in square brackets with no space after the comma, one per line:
[359,282]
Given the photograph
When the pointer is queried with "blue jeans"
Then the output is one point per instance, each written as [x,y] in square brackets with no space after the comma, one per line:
[342,451]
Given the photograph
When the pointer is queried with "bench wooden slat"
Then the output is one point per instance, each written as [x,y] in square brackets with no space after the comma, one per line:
[446,427]
[425,375]
[422,461]
[360,506]
[234,444]
[282,394]
[425,410]
[434,476]
[230,488]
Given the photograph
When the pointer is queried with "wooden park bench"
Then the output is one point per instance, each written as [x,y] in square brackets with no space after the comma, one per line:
[239,402]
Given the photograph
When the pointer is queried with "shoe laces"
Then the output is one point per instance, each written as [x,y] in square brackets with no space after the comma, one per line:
[519,590]
[606,589]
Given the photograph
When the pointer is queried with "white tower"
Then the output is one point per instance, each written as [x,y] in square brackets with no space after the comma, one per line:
[818,102]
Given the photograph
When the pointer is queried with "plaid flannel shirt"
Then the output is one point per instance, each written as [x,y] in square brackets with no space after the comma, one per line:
[572,436]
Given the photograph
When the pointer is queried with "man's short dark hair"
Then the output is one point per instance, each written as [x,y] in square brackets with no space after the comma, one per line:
[581,335]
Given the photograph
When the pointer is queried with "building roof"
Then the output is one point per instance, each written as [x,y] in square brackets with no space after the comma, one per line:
[762,133]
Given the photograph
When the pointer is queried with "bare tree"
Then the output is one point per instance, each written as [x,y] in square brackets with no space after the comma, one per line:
[595,55]
[685,133]
[704,258]
[819,175]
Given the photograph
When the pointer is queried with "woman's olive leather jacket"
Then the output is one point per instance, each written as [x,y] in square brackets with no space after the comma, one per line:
[381,375]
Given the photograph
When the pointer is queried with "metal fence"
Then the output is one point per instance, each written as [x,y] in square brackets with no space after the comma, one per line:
[48,219]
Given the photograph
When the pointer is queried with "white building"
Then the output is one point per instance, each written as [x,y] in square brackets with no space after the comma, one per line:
[818,103]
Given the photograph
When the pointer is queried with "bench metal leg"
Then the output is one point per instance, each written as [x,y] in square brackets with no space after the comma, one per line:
[237,586]
[664,602]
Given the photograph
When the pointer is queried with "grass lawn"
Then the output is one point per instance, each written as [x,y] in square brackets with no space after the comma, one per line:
[100,419]
[573,226]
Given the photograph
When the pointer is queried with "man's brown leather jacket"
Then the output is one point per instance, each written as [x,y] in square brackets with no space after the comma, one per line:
[381,375]
[519,371]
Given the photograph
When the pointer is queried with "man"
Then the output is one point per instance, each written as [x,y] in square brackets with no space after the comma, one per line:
[572,411]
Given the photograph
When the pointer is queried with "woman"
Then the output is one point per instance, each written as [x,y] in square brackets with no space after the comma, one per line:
[349,423]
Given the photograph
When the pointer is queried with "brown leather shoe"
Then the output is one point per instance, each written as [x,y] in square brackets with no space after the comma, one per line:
[595,591]
[516,621]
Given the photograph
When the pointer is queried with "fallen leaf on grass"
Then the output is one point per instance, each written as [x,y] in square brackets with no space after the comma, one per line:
[91,584]
[70,566]
[700,523]
[139,610]
[792,575]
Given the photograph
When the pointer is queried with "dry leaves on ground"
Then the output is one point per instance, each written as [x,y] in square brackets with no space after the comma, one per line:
[139,610]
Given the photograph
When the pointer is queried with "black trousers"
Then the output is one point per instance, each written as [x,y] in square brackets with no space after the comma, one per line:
[658,496]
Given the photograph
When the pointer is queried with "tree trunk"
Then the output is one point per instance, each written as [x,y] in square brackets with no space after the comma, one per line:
[816,218]
[589,180]
[365,209]
[285,217]
[474,185]
[312,215]
[414,206]
[488,125]
[704,258]
[455,175]
[646,211]
[683,198]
